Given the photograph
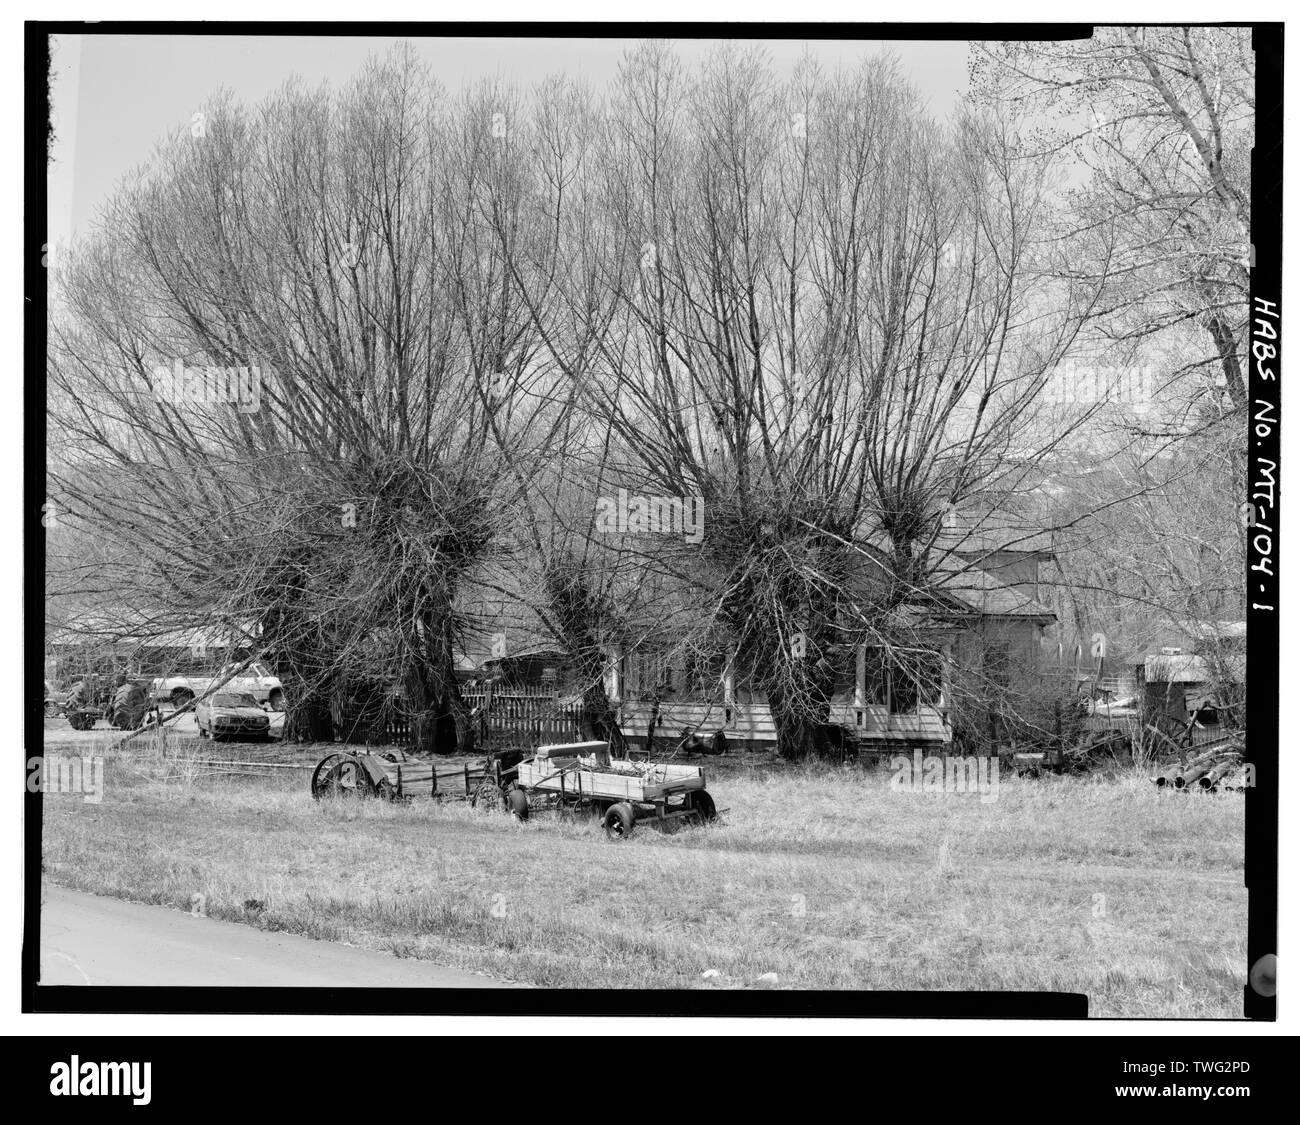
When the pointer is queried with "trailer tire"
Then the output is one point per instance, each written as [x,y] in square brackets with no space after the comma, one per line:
[701,804]
[620,820]
[517,803]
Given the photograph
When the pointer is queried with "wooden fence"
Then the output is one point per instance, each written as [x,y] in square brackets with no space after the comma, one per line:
[526,717]
[517,717]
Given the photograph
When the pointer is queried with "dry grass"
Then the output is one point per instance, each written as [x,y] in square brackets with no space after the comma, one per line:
[822,876]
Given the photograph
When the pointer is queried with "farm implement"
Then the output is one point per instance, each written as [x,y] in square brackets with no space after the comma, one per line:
[575,775]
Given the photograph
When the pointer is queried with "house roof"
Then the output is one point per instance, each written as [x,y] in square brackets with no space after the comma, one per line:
[978,591]
[976,533]
[1183,668]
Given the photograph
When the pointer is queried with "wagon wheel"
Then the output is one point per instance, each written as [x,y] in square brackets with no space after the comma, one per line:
[341,775]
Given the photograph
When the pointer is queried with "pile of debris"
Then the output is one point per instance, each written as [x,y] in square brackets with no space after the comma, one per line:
[649,771]
[1217,768]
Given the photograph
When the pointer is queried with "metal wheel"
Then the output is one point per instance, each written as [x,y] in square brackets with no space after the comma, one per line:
[341,775]
[487,796]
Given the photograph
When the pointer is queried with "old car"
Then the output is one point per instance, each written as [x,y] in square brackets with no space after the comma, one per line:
[256,680]
[231,714]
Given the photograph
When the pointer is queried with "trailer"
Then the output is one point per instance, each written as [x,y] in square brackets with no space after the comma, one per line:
[582,775]
[574,775]
[395,775]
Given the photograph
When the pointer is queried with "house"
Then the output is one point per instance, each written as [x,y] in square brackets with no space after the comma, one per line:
[1198,684]
[981,625]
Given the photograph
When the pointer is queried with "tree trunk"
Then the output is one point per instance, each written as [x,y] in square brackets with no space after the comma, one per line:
[800,728]
[599,722]
[440,718]
[308,716]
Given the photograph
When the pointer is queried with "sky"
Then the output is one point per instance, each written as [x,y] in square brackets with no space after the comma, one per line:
[116,95]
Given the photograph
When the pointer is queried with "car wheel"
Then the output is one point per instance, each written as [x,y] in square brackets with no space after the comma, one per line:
[181,696]
[276,699]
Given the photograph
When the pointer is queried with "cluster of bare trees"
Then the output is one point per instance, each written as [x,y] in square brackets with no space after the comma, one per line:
[801,303]
[1158,125]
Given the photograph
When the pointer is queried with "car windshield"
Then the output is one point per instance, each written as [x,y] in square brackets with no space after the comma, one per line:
[233,699]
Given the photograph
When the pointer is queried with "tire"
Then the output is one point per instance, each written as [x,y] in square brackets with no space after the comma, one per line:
[620,821]
[51,709]
[181,696]
[701,804]
[78,720]
[517,803]
[130,702]
[276,699]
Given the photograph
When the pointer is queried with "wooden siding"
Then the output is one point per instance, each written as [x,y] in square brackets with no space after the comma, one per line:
[752,722]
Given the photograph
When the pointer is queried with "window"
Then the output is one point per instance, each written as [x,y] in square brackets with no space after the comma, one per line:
[997,663]
[702,679]
[844,663]
[904,681]
[648,674]
[877,679]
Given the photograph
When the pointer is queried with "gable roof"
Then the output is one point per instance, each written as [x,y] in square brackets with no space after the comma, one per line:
[977,591]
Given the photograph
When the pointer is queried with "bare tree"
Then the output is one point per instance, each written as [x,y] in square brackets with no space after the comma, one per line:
[1161,122]
[335,245]
[830,325]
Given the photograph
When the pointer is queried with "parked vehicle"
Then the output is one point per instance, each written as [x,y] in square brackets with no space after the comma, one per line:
[122,700]
[256,680]
[230,714]
[55,699]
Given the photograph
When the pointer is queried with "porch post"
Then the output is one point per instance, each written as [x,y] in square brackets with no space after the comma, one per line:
[613,677]
[945,689]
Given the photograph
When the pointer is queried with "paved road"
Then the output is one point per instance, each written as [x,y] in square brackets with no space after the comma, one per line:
[86,939]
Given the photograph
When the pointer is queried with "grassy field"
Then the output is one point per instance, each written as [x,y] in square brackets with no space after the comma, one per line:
[823,876]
